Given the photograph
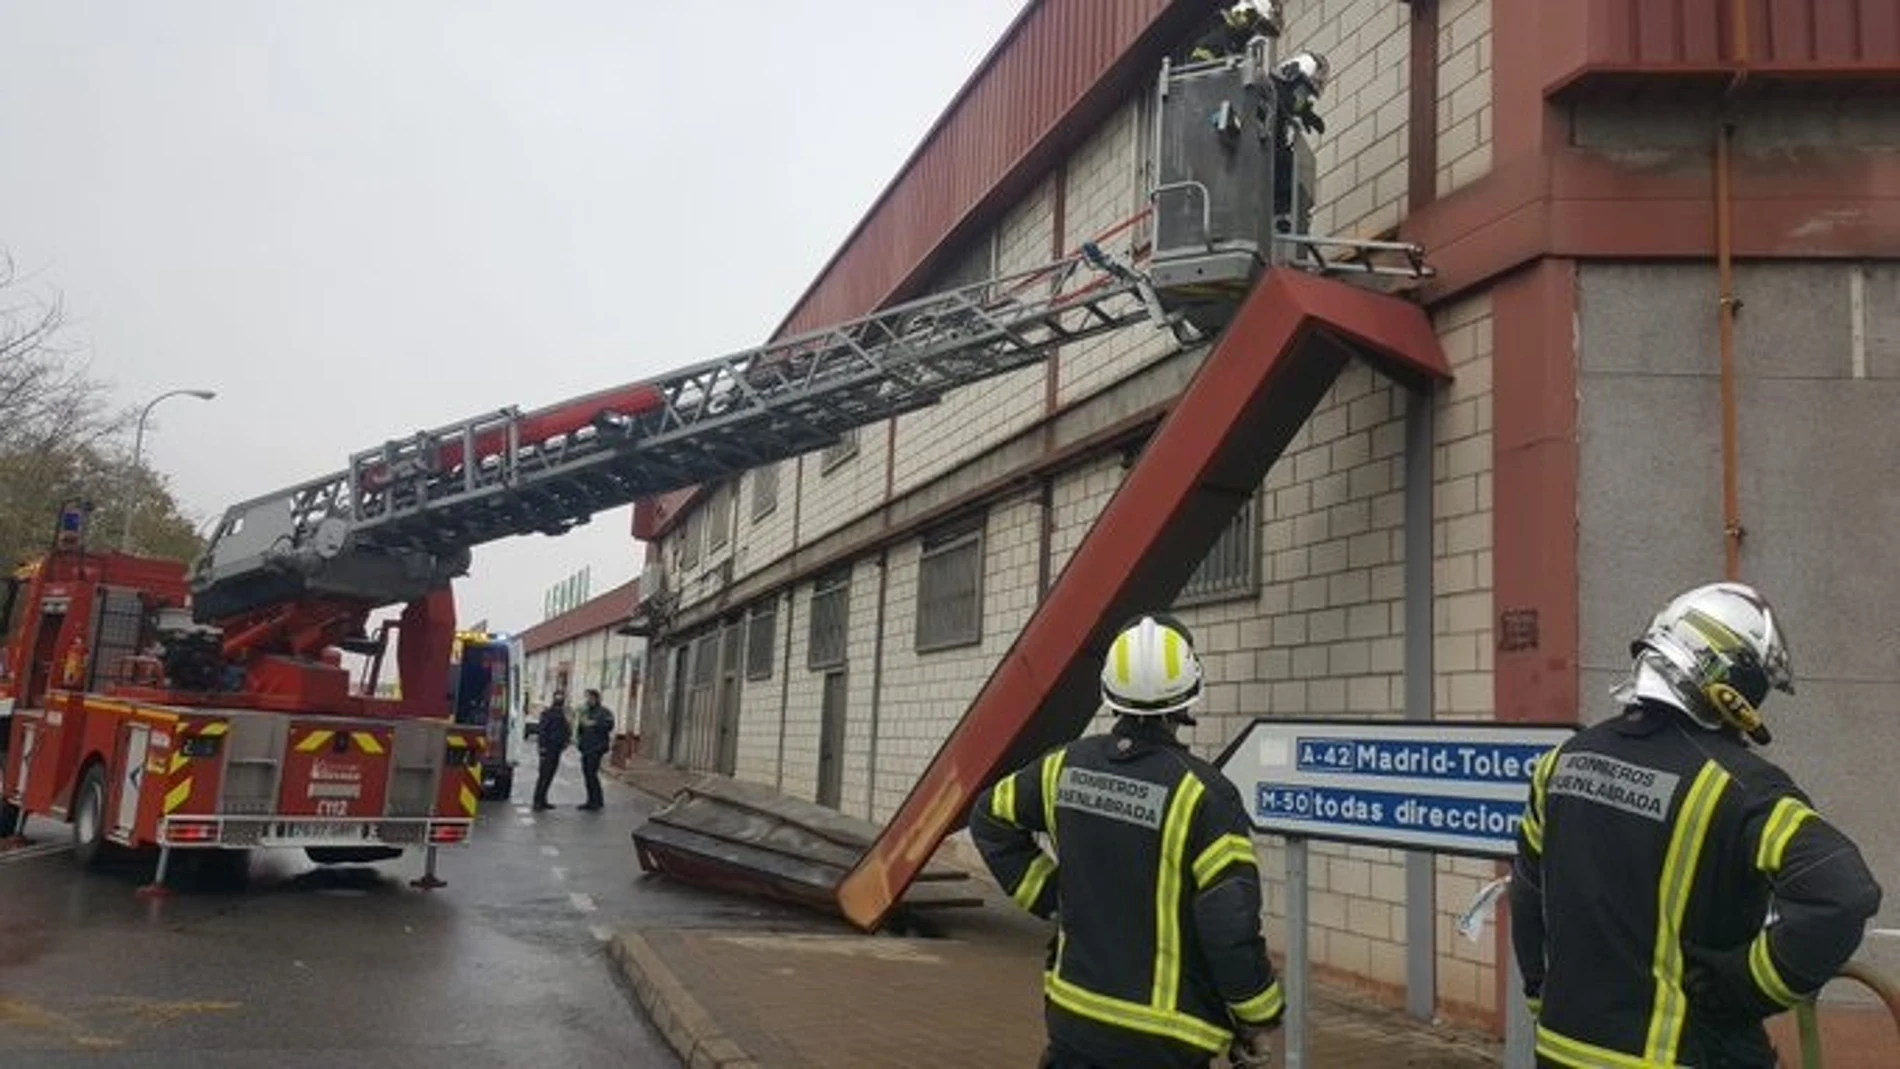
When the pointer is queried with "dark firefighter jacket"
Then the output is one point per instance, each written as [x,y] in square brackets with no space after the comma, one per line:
[555,731]
[1649,856]
[1158,949]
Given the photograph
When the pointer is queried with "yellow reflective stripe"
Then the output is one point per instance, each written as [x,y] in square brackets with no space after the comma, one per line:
[1229,849]
[315,741]
[366,742]
[215,728]
[1003,801]
[1672,900]
[1534,812]
[1033,880]
[1537,1007]
[1783,822]
[178,761]
[1762,968]
[177,796]
[1051,770]
[1171,653]
[1117,1013]
[1174,833]
[1261,1008]
[1580,1055]
[1122,674]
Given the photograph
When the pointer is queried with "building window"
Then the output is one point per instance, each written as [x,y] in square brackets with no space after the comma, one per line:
[761,627]
[689,541]
[834,455]
[950,587]
[830,616]
[1231,568]
[764,491]
[718,517]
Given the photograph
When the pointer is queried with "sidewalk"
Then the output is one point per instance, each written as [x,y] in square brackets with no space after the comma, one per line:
[828,996]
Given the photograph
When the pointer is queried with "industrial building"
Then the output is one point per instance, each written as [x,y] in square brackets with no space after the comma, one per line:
[1666,239]
[584,647]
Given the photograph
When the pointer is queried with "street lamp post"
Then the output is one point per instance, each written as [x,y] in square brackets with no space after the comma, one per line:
[138,449]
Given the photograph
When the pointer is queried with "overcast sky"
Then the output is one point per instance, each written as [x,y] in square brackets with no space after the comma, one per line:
[355,220]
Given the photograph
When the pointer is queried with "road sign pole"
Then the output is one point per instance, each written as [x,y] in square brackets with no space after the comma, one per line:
[1298,966]
[1519,1030]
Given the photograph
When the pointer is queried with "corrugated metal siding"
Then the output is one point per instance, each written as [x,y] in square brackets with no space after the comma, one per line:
[1781,33]
[1055,54]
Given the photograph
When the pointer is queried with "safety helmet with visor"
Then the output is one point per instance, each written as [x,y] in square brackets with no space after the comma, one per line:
[1713,652]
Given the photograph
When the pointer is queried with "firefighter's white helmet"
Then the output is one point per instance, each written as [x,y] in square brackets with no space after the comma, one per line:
[1714,652]
[1261,16]
[1151,670]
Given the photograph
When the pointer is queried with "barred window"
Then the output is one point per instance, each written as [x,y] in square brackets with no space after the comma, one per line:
[950,587]
[830,618]
[834,455]
[764,491]
[718,517]
[1231,568]
[761,628]
[705,660]
[689,540]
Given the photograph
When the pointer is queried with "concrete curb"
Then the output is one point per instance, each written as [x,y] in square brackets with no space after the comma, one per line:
[688,1028]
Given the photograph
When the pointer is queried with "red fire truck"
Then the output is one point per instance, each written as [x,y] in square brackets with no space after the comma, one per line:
[129,720]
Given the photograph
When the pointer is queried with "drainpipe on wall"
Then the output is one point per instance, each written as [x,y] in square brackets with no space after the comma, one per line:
[784,689]
[1727,303]
[877,682]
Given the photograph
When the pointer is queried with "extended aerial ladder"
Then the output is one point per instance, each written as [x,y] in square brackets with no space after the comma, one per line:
[291,573]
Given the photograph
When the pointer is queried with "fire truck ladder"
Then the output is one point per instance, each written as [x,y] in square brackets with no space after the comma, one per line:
[369,529]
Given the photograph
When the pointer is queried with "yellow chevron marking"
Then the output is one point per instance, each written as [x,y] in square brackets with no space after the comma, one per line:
[315,741]
[366,742]
[178,761]
[218,728]
[177,796]
[456,742]
[468,801]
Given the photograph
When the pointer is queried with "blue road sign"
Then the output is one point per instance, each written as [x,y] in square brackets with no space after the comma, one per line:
[1455,787]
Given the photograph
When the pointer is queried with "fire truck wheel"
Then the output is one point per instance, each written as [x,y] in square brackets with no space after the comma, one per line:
[89,818]
[503,786]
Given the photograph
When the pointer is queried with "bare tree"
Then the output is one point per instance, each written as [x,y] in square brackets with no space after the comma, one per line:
[61,439]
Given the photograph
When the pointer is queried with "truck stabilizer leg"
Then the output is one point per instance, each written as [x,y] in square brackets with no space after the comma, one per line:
[428,880]
[157,888]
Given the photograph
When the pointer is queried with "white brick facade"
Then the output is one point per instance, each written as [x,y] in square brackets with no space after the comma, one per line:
[1464,93]
[1322,634]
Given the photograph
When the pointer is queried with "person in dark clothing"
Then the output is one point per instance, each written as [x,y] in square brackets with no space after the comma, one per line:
[592,735]
[1227,31]
[1158,957]
[554,734]
[1672,889]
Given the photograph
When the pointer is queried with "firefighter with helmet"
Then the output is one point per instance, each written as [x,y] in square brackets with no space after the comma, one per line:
[1673,888]
[1228,31]
[1158,958]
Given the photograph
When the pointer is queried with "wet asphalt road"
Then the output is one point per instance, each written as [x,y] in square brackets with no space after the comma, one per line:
[310,967]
